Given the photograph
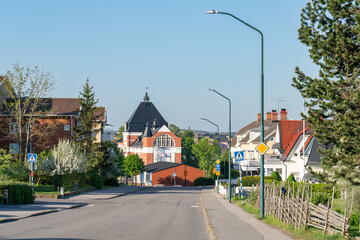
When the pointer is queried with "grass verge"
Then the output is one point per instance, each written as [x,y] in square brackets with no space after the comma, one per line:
[50,189]
[299,234]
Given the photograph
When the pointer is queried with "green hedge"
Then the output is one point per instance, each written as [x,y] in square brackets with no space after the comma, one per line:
[203,181]
[19,193]
[248,181]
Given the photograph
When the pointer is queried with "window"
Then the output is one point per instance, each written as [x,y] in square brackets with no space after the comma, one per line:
[14,148]
[14,127]
[66,127]
[164,141]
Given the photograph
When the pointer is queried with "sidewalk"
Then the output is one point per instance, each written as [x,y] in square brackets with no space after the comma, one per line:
[47,205]
[228,221]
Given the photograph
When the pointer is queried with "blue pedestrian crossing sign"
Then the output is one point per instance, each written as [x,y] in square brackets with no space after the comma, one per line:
[239,156]
[32,157]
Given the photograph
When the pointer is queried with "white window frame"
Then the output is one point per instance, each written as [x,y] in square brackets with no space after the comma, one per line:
[164,140]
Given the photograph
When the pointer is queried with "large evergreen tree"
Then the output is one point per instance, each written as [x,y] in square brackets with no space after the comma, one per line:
[331,28]
[87,118]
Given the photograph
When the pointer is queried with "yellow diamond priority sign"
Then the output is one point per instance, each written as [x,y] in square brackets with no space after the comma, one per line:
[218,161]
[262,148]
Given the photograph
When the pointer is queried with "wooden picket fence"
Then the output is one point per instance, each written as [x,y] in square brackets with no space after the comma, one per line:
[293,206]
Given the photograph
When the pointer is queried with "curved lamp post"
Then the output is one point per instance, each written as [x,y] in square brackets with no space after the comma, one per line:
[262,106]
[209,89]
[218,155]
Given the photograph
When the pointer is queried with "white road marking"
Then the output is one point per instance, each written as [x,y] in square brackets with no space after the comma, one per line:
[194,206]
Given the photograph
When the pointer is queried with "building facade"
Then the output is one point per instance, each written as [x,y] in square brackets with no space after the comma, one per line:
[146,133]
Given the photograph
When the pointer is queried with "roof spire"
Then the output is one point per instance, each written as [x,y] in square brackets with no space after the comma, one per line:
[146,97]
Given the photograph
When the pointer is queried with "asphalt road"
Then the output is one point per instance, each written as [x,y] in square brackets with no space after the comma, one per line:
[154,213]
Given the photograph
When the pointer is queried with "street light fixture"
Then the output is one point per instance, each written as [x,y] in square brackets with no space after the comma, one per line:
[262,106]
[218,155]
[209,89]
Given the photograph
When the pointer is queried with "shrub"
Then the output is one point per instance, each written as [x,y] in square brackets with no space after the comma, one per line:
[248,181]
[320,197]
[253,196]
[95,180]
[203,181]
[276,176]
[291,178]
[234,173]
[19,193]
[111,182]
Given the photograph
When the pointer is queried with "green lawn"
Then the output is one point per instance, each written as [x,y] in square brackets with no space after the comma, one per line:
[300,234]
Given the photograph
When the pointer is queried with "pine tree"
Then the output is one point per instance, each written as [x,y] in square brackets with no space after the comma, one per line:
[87,118]
[331,28]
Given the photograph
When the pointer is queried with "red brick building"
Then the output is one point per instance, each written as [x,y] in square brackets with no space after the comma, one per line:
[146,133]
[168,174]
[57,121]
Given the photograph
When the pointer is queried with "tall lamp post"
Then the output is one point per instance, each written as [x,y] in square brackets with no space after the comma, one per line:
[218,155]
[262,106]
[209,89]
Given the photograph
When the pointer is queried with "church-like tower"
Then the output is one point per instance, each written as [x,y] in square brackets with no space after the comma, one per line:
[146,133]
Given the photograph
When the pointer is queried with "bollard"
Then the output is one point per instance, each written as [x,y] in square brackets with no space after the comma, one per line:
[76,187]
[6,196]
[62,191]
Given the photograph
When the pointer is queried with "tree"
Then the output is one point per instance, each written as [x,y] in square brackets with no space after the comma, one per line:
[67,157]
[276,176]
[175,129]
[205,151]
[10,169]
[187,142]
[87,117]
[27,89]
[133,165]
[120,132]
[112,160]
[331,31]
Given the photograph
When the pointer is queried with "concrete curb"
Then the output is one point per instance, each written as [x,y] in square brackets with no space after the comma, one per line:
[207,219]
[42,213]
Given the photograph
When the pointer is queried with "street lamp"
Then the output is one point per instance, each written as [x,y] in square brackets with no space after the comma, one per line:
[218,155]
[262,107]
[209,89]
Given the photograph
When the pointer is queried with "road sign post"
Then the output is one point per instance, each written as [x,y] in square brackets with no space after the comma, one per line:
[239,156]
[217,174]
[32,159]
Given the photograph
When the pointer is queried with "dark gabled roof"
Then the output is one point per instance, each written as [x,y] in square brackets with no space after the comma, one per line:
[159,166]
[146,112]
[315,157]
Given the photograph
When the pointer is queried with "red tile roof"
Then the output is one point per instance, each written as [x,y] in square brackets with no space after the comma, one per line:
[295,139]
[288,129]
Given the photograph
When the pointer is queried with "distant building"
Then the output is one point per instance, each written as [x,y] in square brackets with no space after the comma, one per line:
[57,121]
[280,135]
[146,133]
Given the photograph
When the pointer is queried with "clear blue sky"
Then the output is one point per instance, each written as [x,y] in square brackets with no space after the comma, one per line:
[172,47]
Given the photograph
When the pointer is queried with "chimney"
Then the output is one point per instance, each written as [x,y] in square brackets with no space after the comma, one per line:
[283,114]
[259,117]
[268,116]
[274,115]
